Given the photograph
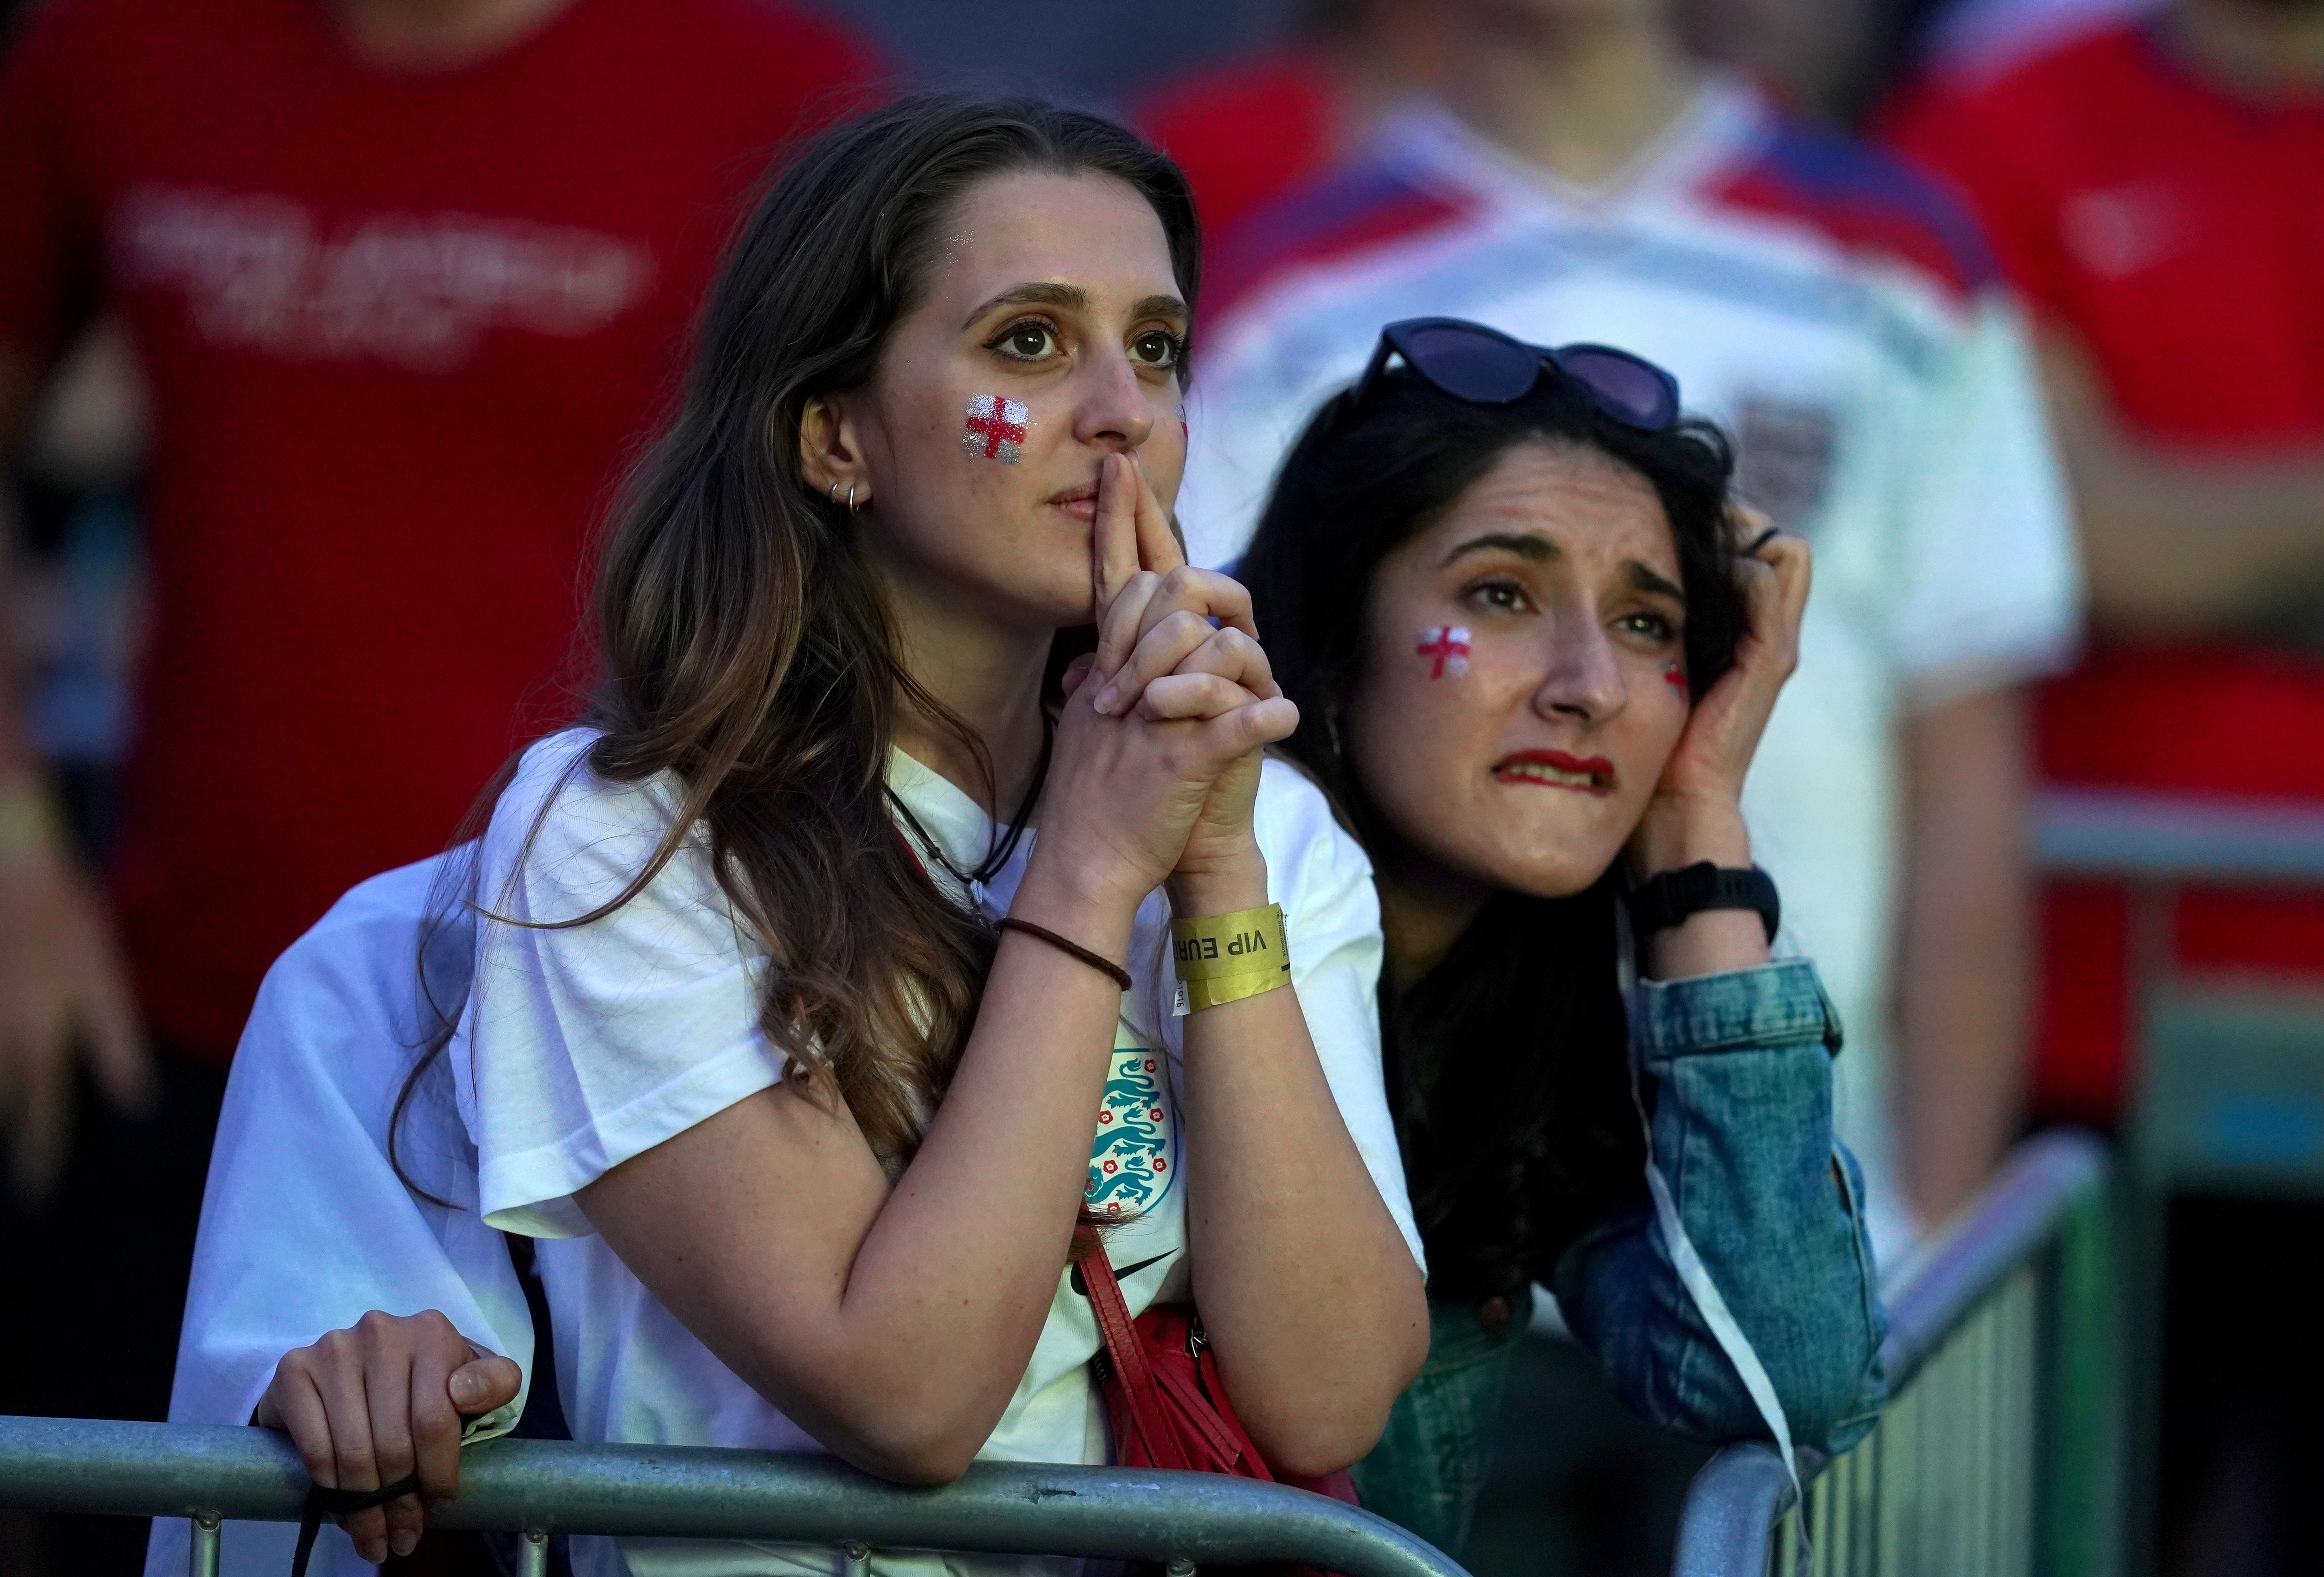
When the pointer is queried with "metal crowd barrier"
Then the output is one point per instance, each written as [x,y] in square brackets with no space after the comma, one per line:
[2170,838]
[535,1488]
[2024,1360]
[1995,1456]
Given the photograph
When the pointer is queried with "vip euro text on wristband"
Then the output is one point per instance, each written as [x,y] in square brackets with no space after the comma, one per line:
[1225,958]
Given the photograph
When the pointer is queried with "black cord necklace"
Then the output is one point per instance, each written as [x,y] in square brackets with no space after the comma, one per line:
[998,859]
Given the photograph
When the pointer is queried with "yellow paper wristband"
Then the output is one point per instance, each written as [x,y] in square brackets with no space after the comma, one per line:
[1232,988]
[1225,958]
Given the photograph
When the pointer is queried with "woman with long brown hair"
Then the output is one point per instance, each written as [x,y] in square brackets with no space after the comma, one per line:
[809,966]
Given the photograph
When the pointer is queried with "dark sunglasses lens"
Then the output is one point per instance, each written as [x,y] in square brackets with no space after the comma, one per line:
[1628,388]
[1472,365]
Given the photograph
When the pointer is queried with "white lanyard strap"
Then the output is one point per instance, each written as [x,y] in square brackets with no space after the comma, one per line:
[1695,1276]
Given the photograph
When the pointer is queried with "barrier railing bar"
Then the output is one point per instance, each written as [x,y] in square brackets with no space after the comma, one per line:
[163,1470]
[2170,837]
[1930,1293]
[202,1551]
[2079,1436]
[1730,1506]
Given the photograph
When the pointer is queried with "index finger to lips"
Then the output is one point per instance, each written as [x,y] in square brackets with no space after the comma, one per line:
[1114,547]
[1157,544]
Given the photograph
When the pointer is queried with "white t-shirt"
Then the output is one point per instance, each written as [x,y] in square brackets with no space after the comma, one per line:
[581,1047]
[1829,310]
[305,1226]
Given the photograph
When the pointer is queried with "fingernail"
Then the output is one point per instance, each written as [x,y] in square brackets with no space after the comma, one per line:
[374,1551]
[1105,701]
[468,1388]
[406,1541]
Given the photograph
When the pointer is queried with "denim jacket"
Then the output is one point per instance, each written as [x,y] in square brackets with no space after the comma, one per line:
[1740,1065]
[1737,1070]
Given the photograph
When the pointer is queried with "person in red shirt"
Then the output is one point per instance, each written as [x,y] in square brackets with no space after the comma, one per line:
[1249,131]
[405,280]
[2156,189]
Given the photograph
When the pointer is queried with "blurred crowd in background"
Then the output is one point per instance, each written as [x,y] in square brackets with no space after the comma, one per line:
[325,325]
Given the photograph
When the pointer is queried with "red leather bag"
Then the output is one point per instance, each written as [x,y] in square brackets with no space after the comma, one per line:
[1162,1390]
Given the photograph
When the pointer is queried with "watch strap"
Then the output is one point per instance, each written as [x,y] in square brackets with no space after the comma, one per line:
[1676,896]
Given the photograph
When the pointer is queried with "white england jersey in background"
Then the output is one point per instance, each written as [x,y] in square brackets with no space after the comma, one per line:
[1837,318]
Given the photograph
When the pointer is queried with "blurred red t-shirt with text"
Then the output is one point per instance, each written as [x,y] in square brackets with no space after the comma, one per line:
[401,328]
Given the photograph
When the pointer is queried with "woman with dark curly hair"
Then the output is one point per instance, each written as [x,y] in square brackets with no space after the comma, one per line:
[1531,663]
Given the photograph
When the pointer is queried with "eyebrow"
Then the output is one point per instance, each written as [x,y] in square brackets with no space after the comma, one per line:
[1074,299]
[1524,545]
[1542,550]
[1646,580]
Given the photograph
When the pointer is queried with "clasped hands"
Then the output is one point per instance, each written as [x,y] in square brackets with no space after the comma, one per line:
[1158,751]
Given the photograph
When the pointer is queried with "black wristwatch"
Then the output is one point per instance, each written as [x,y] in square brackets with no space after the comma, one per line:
[1662,901]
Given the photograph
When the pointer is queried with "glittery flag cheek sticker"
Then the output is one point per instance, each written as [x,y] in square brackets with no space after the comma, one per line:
[995,429]
[1446,648]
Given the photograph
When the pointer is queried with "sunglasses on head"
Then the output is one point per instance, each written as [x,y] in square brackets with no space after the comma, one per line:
[1485,366]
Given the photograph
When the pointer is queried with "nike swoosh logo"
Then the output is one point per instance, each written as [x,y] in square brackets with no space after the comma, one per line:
[1121,1273]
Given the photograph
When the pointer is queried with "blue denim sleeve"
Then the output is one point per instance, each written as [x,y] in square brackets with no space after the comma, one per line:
[1739,1066]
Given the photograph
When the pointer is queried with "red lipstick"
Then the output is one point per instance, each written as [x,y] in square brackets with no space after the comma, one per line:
[1558,770]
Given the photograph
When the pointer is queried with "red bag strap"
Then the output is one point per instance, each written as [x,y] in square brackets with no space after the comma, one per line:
[1111,1311]
[1135,1399]
[1229,1446]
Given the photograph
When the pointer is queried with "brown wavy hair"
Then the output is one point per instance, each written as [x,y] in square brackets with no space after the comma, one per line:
[745,645]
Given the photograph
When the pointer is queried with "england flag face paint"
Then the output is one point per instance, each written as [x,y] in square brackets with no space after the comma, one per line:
[1446,647]
[1674,677]
[995,429]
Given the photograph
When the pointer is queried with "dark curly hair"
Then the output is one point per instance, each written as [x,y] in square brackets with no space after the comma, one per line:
[1508,1063]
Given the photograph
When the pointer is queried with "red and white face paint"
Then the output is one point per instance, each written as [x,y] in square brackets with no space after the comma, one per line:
[1674,677]
[1446,646]
[995,429]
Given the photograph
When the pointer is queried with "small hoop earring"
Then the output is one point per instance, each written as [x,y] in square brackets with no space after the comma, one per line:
[851,501]
[834,492]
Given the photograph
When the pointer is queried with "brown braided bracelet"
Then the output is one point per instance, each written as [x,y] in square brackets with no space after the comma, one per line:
[1105,966]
